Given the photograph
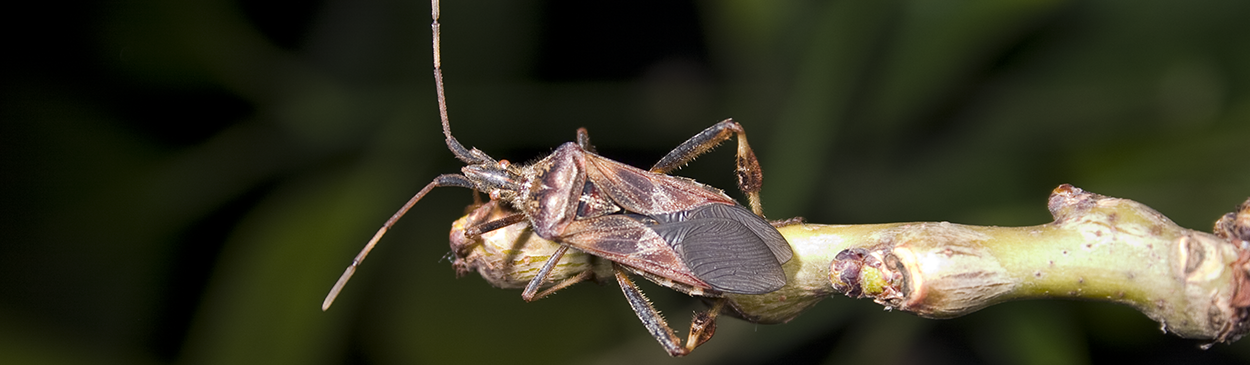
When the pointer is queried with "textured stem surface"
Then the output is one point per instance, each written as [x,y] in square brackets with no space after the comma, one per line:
[1194,284]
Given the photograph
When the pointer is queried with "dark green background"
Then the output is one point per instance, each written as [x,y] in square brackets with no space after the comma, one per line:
[184,180]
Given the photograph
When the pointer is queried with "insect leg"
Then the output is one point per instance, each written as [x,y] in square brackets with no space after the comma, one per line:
[750,177]
[531,290]
[441,180]
[703,325]
[650,317]
[583,140]
[477,229]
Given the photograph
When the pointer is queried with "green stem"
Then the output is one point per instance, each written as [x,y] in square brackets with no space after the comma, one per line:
[1195,284]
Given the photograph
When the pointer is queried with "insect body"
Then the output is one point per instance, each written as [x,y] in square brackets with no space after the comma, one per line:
[672,230]
[664,225]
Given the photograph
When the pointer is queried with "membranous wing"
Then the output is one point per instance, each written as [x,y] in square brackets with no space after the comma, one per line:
[727,246]
[718,246]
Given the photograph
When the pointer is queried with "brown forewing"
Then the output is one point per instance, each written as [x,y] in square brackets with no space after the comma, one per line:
[594,202]
[648,193]
[627,241]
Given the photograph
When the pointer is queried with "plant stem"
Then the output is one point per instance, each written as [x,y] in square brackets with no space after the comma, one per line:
[1195,284]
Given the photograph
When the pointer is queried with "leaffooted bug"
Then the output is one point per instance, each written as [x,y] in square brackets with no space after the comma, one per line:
[671,230]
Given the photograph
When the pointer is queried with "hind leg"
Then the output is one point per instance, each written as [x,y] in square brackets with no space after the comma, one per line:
[750,176]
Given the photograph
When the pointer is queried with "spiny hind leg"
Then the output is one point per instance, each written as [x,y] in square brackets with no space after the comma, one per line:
[750,176]
[702,326]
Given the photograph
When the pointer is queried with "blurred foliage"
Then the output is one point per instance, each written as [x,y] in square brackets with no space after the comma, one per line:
[184,180]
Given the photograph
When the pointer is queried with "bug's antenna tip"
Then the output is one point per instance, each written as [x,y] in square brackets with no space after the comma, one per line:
[338,286]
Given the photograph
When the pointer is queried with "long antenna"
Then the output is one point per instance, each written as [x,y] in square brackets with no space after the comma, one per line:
[441,180]
[470,157]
